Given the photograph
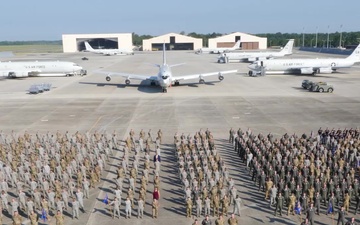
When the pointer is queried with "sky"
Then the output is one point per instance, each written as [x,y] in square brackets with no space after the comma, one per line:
[24,20]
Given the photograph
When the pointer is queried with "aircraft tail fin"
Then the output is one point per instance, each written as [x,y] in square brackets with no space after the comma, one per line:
[237,45]
[355,55]
[164,54]
[88,46]
[287,50]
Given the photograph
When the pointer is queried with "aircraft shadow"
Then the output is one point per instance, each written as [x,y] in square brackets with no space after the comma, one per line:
[143,86]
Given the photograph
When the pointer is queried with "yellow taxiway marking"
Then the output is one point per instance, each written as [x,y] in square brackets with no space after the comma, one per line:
[97,121]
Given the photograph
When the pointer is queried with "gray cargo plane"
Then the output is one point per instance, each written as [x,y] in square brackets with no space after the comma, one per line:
[164,78]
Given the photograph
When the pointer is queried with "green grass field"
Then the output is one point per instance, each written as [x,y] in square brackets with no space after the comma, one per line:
[32,48]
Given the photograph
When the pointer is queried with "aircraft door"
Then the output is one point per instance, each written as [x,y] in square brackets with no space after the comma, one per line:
[262,63]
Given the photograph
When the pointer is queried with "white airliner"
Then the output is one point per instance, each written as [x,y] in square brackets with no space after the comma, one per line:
[303,66]
[255,56]
[108,51]
[218,50]
[164,78]
[39,69]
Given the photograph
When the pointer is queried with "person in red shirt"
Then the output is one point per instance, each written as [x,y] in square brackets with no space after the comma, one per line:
[156,194]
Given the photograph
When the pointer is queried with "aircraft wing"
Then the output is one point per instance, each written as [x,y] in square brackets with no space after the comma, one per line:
[129,75]
[201,75]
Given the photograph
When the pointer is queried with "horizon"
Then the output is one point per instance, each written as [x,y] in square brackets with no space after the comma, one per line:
[54,40]
[44,20]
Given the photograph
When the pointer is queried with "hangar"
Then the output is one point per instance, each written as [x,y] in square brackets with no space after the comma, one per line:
[75,42]
[247,41]
[173,41]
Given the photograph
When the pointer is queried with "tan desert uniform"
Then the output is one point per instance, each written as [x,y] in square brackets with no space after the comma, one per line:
[59,219]
[233,221]
[291,205]
[155,208]
[188,207]
[34,219]
[269,184]
[225,206]
[216,205]
[219,221]
[346,202]
[17,220]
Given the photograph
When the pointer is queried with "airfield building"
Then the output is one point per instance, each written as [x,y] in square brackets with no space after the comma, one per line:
[173,41]
[247,41]
[75,42]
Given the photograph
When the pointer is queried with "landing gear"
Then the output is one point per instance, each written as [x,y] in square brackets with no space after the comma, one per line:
[127,81]
[201,81]
[177,83]
[164,90]
[152,83]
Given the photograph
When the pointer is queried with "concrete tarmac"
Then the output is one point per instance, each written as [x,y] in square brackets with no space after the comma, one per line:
[274,103]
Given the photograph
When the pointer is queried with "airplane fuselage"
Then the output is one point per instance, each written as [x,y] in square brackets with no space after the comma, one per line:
[164,77]
[288,64]
[249,56]
[39,68]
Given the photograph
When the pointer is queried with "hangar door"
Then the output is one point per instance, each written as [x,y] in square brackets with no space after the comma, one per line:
[176,46]
[98,43]
[173,45]
[249,45]
[225,44]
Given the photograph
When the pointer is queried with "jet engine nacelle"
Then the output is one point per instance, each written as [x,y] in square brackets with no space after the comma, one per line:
[324,70]
[306,71]
[253,59]
[127,81]
[221,77]
[108,78]
[18,74]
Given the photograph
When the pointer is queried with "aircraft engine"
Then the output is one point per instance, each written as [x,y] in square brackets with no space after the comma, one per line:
[324,70]
[127,81]
[306,71]
[221,77]
[108,78]
[18,74]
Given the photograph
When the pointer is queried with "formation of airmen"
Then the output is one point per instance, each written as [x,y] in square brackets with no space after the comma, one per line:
[49,173]
[128,171]
[205,178]
[307,171]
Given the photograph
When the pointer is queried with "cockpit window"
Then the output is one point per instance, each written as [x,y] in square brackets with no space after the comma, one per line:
[165,77]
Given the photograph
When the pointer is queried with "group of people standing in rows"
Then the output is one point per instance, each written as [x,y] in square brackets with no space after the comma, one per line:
[304,172]
[205,178]
[50,173]
[128,171]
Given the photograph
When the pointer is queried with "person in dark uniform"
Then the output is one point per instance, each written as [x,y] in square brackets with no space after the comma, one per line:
[310,214]
[341,217]
[279,204]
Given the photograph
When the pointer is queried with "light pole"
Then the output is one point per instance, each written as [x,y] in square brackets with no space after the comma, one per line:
[327,43]
[316,37]
[303,37]
[311,43]
[340,35]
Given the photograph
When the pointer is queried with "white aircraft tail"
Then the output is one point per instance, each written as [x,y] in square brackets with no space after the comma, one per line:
[164,54]
[237,45]
[287,50]
[88,47]
[355,55]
